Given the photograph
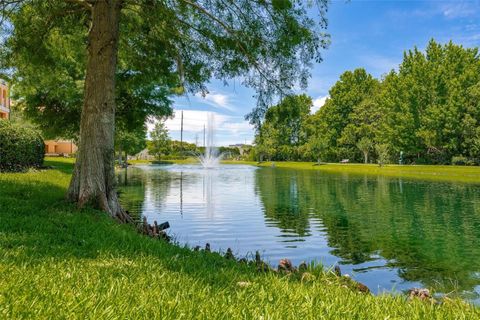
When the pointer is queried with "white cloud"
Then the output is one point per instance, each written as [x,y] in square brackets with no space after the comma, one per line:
[318,103]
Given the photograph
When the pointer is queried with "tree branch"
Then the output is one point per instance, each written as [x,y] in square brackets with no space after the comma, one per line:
[233,33]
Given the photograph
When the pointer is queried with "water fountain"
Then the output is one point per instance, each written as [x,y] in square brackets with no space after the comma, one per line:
[211,157]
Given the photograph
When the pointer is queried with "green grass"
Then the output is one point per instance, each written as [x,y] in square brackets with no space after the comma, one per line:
[425,172]
[60,263]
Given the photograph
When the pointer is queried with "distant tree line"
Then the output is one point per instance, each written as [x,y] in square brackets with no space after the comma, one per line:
[162,147]
[426,112]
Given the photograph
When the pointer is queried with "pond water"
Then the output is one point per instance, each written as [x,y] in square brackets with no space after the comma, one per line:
[391,234]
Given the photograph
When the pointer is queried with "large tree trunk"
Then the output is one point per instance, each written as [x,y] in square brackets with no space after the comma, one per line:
[93,180]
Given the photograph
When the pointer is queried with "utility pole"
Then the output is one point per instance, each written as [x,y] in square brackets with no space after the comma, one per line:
[181,135]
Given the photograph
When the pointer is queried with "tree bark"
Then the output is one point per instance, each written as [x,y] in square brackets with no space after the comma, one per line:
[93,180]
[365,156]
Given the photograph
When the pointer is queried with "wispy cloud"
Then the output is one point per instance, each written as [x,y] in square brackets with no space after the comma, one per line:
[448,9]
[218,100]
[459,9]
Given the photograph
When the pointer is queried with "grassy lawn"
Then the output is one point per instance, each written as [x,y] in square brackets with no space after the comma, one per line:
[58,262]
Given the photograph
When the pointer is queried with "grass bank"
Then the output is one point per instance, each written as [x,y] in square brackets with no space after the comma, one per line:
[58,262]
[425,172]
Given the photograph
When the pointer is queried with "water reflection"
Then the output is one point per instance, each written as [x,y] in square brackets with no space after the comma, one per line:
[390,233]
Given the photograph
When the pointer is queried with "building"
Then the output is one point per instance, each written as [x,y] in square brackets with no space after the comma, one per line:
[60,147]
[4,100]
[52,147]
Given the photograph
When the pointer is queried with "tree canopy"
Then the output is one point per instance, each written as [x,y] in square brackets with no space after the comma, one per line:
[165,48]
[428,110]
[284,129]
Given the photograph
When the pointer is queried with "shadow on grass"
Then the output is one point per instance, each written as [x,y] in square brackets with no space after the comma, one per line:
[64,165]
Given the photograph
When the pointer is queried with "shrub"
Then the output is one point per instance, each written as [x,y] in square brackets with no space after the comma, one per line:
[459,161]
[20,148]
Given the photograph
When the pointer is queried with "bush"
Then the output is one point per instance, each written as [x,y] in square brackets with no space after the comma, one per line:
[473,162]
[20,148]
[464,161]
[459,161]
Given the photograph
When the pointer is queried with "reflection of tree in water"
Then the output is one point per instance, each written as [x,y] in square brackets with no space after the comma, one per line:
[429,231]
[280,195]
[138,186]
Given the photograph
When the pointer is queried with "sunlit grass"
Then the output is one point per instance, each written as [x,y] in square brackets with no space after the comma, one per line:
[58,262]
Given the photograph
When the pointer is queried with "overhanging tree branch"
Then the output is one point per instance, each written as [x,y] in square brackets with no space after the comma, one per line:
[232,32]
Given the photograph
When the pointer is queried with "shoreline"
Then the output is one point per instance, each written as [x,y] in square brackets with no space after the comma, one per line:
[461,174]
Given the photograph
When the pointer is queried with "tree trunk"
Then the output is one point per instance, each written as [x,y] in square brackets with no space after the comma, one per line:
[365,156]
[93,180]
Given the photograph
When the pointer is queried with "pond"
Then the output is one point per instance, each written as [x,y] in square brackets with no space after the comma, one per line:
[391,234]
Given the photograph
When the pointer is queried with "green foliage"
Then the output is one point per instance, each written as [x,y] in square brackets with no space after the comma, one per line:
[20,148]
[229,152]
[459,161]
[129,142]
[383,154]
[432,103]
[429,110]
[49,60]
[165,48]
[365,145]
[181,149]
[348,115]
[97,268]
[164,148]
[160,141]
[284,128]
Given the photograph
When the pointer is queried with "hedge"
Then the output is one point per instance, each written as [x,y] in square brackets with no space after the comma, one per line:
[20,148]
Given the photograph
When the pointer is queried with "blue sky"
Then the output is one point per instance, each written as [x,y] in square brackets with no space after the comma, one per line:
[368,34]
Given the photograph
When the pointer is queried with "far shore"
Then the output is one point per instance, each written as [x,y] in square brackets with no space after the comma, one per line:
[464,174]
